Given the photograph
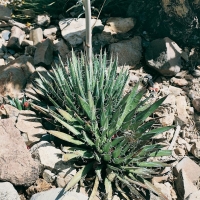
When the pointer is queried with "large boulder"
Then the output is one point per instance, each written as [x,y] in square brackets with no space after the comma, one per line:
[17,165]
[73,30]
[51,158]
[164,55]
[44,53]
[13,77]
[129,52]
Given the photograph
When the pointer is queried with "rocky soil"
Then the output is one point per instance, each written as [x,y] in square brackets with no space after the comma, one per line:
[30,162]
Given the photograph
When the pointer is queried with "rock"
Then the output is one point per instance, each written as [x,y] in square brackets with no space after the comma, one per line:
[175,91]
[181,106]
[57,193]
[13,77]
[61,48]
[164,189]
[5,13]
[179,11]
[50,157]
[195,150]
[2,62]
[27,43]
[73,30]
[28,122]
[16,38]
[129,52]
[10,111]
[196,73]
[36,35]
[179,82]
[116,25]
[50,31]
[64,177]
[48,176]
[184,185]
[8,192]
[39,186]
[193,196]
[16,163]
[5,34]
[42,20]
[164,55]
[179,151]
[30,50]
[189,167]
[44,53]
[196,104]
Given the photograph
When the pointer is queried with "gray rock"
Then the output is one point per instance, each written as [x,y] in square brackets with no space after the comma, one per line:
[36,35]
[13,77]
[190,168]
[62,48]
[50,157]
[28,122]
[30,50]
[8,192]
[57,194]
[5,13]
[64,177]
[73,31]
[5,34]
[27,43]
[164,55]
[129,52]
[184,185]
[44,53]
[16,38]
[42,20]
[51,31]
[48,176]
[17,165]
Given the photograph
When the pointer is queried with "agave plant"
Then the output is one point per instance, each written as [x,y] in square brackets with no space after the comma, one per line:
[106,131]
[23,104]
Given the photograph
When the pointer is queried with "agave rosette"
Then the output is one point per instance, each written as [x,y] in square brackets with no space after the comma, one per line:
[106,129]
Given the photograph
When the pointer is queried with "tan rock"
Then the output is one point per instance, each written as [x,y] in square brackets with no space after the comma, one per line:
[194,196]
[39,186]
[195,150]
[16,38]
[179,82]
[13,77]
[181,106]
[28,122]
[116,25]
[190,168]
[164,189]
[17,165]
